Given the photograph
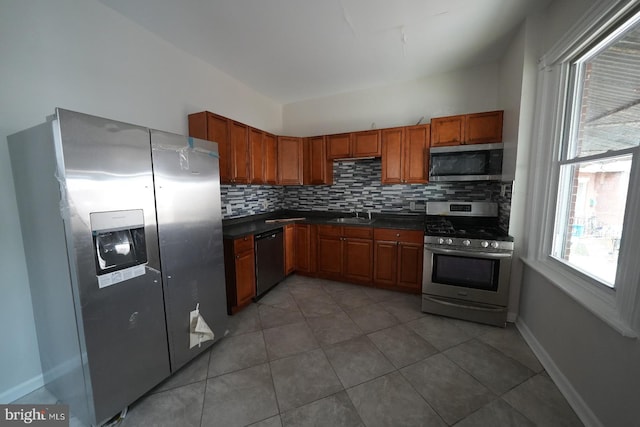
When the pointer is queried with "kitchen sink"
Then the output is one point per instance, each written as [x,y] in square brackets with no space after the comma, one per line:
[352,220]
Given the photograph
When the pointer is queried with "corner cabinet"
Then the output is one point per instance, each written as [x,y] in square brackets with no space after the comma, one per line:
[240,272]
[290,160]
[405,155]
[398,259]
[478,128]
[212,127]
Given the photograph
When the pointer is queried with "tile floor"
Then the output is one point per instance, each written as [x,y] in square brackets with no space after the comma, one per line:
[319,353]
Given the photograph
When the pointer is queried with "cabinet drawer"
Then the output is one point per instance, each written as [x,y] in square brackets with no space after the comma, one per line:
[329,230]
[408,236]
[243,244]
[358,232]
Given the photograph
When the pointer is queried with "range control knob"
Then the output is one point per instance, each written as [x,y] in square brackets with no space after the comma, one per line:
[466,242]
[495,245]
[484,243]
[449,241]
[441,240]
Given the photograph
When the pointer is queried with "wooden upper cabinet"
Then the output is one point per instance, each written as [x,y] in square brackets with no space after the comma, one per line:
[257,151]
[447,131]
[212,127]
[484,128]
[479,128]
[338,146]
[320,169]
[392,155]
[405,155]
[290,160]
[354,144]
[270,153]
[415,167]
[239,137]
[366,144]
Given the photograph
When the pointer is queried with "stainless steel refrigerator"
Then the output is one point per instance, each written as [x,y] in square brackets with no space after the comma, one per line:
[123,239]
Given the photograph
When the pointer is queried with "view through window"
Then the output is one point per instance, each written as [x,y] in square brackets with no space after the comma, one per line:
[603,129]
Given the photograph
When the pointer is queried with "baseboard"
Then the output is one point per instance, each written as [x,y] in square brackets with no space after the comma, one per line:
[21,389]
[586,415]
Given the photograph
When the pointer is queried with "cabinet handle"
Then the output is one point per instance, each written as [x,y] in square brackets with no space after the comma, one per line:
[237,256]
[397,234]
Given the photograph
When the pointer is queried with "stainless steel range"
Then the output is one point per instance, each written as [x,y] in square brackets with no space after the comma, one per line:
[467,262]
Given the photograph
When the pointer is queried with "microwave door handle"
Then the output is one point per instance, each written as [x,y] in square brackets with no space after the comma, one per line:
[487,255]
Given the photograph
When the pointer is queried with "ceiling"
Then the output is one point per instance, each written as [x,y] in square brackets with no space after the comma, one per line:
[292,50]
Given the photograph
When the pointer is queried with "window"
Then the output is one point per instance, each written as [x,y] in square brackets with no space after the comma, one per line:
[584,203]
[601,133]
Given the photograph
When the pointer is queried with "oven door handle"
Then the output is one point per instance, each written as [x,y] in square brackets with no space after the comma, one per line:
[467,306]
[487,255]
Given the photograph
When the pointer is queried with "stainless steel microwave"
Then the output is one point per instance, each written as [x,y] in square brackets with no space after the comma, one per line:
[477,162]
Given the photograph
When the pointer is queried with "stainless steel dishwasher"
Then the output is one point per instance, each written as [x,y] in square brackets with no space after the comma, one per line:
[269,260]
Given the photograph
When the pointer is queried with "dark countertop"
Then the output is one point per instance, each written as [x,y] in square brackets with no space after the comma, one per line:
[255,224]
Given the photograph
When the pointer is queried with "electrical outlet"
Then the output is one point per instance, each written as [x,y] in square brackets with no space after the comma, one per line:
[412,206]
[228,206]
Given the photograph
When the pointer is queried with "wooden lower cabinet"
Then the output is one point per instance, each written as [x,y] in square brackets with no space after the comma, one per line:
[329,259]
[358,260]
[345,253]
[305,243]
[240,272]
[289,249]
[398,259]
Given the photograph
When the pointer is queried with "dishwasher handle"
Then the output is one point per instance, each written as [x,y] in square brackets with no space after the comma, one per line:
[272,234]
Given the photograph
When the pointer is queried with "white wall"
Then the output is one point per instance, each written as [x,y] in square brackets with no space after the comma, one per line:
[83,56]
[461,91]
[596,367]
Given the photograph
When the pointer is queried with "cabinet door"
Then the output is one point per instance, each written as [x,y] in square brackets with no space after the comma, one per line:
[416,155]
[290,160]
[303,248]
[270,147]
[365,144]
[358,260]
[329,256]
[483,128]
[289,249]
[385,262]
[410,266]
[209,126]
[245,277]
[447,131]
[338,146]
[256,150]
[320,169]
[239,137]
[392,155]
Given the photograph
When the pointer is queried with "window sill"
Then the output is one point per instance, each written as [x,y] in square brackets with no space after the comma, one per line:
[598,302]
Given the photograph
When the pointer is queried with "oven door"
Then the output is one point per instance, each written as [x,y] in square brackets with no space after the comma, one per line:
[466,274]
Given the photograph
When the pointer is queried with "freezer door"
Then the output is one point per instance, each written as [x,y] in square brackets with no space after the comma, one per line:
[188,203]
[105,166]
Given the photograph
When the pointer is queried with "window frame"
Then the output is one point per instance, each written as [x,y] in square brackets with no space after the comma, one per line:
[618,307]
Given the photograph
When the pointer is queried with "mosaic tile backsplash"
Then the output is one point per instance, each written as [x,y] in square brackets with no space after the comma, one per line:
[357,186]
